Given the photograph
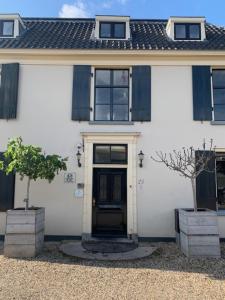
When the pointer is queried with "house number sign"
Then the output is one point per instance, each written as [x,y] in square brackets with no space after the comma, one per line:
[69,177]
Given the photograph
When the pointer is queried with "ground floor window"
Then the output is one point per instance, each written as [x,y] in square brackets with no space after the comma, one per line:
[220,178]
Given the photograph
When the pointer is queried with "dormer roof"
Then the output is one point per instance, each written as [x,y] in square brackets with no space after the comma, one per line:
[57,33]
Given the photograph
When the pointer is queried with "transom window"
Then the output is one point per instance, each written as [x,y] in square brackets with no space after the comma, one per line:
[111,95]
[110,154]
[112,30]
[219,94]
[186,31]
[6,28]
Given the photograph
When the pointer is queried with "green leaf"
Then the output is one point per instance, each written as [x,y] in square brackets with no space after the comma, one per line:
[30,161]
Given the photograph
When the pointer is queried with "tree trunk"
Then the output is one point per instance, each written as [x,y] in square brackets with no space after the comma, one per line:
[28,194]
[194,194]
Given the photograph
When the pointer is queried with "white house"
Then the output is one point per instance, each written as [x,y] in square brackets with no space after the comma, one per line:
[111,87]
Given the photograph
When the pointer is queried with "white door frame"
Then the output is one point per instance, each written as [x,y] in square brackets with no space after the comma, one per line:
[129,138]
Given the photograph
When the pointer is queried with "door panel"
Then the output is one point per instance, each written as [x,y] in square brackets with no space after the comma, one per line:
[109,211]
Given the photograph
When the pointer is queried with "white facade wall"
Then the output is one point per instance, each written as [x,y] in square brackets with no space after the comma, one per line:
[44,119]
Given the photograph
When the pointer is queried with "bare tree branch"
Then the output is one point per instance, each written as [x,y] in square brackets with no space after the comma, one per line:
[188,162]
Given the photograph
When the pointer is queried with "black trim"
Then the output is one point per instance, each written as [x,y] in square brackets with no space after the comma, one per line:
[1,28]
[51,238]
[111,162]
[157,239]
[187,32]
[112,30]
[111,86]
[58,238]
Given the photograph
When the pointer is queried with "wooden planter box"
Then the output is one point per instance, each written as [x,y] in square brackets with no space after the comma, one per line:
[24,235]
[199,234]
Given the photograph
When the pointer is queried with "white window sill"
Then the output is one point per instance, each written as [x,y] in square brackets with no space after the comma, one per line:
[217,122]
[111,123]
[221,212]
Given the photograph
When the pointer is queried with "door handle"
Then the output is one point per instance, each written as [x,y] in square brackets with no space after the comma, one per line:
[93,202]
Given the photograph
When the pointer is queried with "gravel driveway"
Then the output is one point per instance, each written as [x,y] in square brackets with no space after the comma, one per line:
[165,275]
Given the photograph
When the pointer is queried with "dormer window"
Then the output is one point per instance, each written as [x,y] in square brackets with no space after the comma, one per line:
[112,27]
[186,28]
[187,31]
[6,28]
[11,25]
[112,30]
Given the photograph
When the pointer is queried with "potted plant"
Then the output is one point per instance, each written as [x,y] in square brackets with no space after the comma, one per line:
[199,234]
[25,226]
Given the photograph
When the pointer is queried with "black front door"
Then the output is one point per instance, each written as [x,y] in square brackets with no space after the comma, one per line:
[109,205]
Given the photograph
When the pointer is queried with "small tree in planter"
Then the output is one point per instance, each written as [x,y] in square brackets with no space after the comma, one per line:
[29,162]
[188,164]
[199,228]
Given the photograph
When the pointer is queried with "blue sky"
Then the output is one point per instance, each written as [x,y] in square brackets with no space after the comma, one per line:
[212,10]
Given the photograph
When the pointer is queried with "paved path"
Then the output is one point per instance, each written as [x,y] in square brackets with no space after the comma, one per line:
[75,249]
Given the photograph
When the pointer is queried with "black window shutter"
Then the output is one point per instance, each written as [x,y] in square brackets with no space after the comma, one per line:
[141,93]
[81,93]
[206,185]
[202,95]
[7,186]
[9,90]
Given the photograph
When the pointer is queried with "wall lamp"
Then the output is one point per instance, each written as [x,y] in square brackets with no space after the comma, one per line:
[141,158]
[78,155]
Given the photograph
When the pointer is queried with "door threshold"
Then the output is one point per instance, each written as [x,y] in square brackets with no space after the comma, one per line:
[108,235]
[110,238]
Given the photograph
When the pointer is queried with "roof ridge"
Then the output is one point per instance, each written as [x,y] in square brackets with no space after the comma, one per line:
[85,19]
[56,19]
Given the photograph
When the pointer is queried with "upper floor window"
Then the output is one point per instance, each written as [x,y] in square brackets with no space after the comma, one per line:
[111,95]
[6,28]
[187,31]
[112,30]
[219,94]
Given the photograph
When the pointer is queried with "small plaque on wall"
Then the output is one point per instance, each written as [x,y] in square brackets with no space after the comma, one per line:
[79,193]
[69,177]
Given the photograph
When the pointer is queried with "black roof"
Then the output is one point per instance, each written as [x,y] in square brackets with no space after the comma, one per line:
[57,33]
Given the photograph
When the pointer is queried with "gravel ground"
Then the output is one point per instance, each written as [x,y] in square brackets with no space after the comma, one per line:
[165,275]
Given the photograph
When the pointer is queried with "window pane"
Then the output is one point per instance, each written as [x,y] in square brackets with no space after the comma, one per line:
[119,30]
[103,77]
[102,154]
[120,96]
[219,78]
[120,77]
[219,96]
[102,112]
[7,28]
[180,31]
[120,112]
[117,188]
[118,153]
[219,112]
[102,96]
[102,188]
[105,30]
[194,31]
